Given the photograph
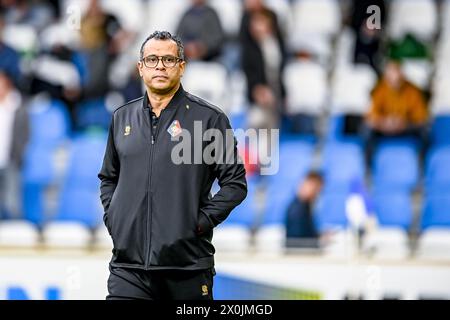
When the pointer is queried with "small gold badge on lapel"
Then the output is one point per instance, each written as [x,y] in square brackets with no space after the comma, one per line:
[127,131]
[204,290]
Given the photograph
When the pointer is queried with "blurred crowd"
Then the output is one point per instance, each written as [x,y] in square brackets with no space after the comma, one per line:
[365,71]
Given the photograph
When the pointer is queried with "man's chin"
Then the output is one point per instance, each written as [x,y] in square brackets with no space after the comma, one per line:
[162,89]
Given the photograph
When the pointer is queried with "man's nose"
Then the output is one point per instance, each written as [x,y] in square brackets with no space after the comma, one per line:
[160,65]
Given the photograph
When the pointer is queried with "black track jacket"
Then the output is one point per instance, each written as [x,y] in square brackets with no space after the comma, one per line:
[155,208]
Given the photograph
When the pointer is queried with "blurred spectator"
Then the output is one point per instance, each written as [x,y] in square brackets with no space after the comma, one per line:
[9,58]
[100,43]
[263,59]
[14,133]
[301,230]
[54,71]
[201,32]
[368,40]
[36,13]
[398,108]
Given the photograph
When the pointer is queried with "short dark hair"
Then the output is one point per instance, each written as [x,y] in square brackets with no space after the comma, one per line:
[164,35]
[315,175]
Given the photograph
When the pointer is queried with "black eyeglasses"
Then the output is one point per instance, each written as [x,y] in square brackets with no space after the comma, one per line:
[168,61]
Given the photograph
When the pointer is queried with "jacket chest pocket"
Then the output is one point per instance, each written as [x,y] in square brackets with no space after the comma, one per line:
[132,145]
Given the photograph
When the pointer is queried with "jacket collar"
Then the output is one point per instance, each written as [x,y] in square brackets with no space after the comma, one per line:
[177,97]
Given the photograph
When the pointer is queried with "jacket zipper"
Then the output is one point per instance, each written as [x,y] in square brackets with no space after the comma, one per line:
[150,203]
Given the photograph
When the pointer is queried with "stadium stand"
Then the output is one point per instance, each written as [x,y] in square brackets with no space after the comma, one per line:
[59,195]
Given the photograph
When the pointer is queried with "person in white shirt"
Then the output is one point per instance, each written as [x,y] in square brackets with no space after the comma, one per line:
[14,131]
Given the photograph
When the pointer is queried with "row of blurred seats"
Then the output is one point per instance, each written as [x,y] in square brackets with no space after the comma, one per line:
[395,175]
[78,213]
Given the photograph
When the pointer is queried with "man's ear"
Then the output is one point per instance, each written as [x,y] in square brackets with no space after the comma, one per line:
[182,67]
[139,67]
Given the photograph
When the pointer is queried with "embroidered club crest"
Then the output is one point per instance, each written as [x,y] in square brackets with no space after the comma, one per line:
[174,128]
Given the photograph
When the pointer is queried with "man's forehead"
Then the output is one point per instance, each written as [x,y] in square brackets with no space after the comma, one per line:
[165,46]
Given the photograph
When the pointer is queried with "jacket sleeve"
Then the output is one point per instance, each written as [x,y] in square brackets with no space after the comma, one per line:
[109,173]
[230,174]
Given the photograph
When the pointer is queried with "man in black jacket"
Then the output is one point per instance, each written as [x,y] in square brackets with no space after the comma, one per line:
[158,210]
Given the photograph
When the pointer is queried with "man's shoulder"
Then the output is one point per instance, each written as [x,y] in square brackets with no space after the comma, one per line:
[202,103]
[130,104]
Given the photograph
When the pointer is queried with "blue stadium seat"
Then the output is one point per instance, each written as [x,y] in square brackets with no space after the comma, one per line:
[335,127]
[440,131]
[85,160]
[49,123]
[295,162]
[396,166]
[330,210]
[335,132]
[343,163]
[80,205]
[238,120]
[299,126]
[38,173]
[245,214]
[437,173]
[38,167]
[93,113]
[393,208]
[79,199]
[33,203]
[436,212]
[279,197]
[331,207]
[49,128]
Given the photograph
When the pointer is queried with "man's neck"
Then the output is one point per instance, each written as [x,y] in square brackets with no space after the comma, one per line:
[159,101]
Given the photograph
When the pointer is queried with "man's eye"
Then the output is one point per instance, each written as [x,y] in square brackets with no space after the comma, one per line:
[169,59]
[152,59]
